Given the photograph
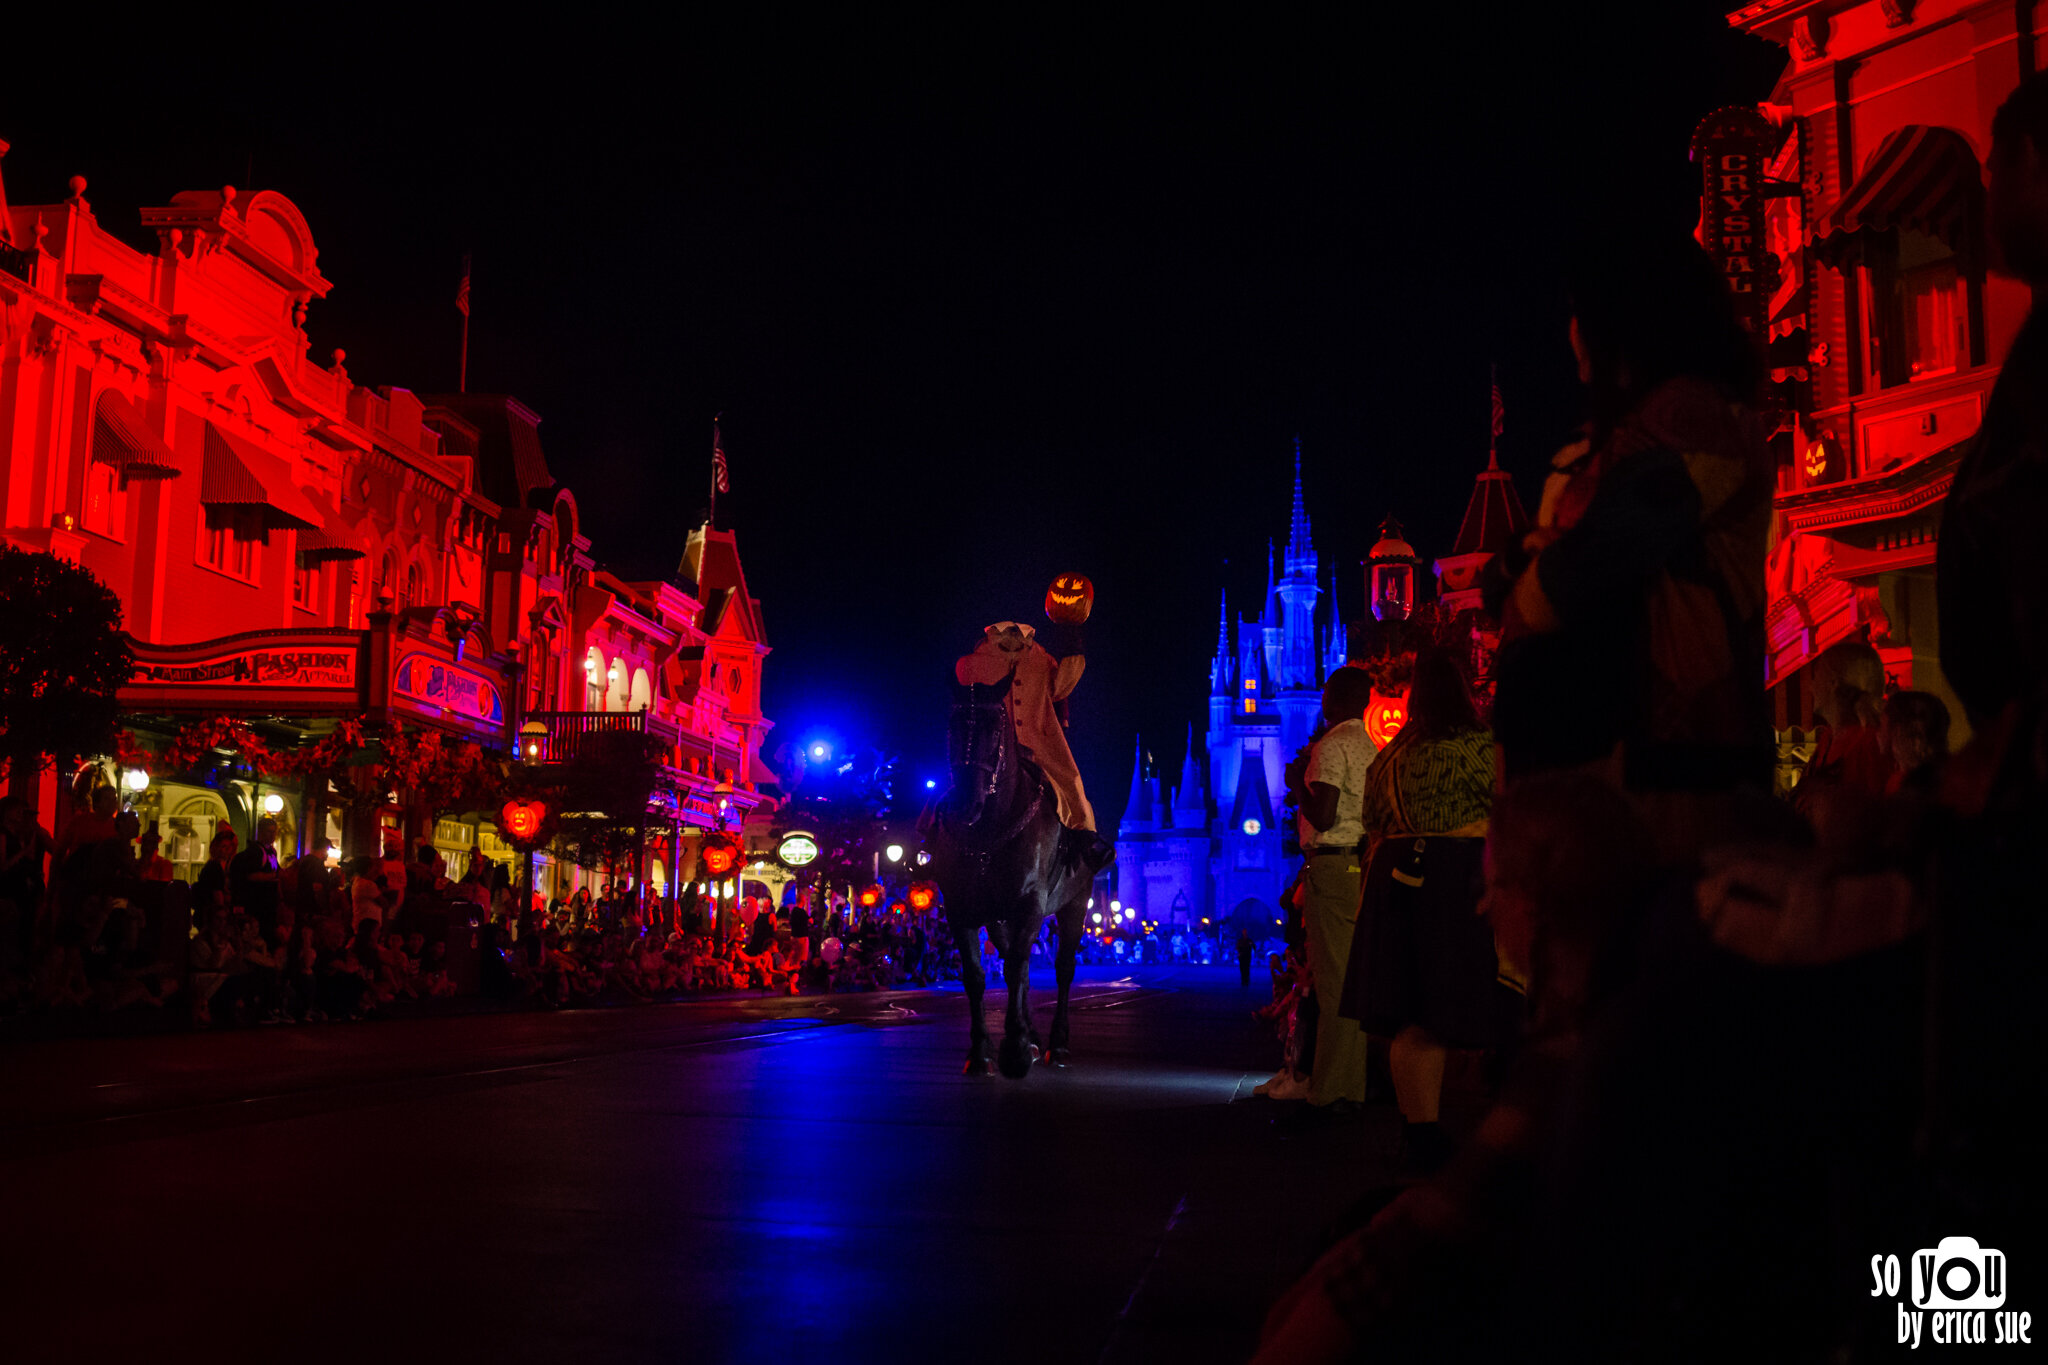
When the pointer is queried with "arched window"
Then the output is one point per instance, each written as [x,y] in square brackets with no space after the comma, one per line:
[385,585]
[641,698]
[593,679]
[415,583]
[616,685]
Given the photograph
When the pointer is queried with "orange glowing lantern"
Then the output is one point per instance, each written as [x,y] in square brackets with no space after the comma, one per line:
[1384,717]
[923,895]
[720,854]
[871,896]
[523,819]
[1070,598]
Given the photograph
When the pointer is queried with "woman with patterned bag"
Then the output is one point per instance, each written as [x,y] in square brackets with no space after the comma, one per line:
[1423,971]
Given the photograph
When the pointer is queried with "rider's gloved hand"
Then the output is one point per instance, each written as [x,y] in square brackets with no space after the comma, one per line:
[1065,641]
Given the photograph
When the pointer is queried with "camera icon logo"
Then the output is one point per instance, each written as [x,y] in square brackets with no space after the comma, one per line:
[1958,1274]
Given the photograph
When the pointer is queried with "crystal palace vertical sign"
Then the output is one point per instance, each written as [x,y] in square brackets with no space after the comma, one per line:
[1730,146]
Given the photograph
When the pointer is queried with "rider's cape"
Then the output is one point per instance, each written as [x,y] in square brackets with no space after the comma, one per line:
[1041,680]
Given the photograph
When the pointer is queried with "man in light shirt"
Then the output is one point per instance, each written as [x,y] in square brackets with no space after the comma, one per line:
[1331,808]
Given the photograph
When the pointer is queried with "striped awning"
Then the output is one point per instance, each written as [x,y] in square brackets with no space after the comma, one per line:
[121,437]
[240,477]
[329,541]
[1922,178]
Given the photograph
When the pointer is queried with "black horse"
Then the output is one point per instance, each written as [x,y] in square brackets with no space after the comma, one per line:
[996,854]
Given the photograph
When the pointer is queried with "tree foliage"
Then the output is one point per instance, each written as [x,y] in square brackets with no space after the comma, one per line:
[63,657]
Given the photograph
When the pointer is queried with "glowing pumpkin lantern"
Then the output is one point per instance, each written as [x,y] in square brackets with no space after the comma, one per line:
[923,895]
[871,896]
[522,820]
[1384,717]
[720,854]
[1070,598]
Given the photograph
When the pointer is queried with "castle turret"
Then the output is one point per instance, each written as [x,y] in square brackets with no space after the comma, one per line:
[1190,807]
[1298,666]
[1138,810]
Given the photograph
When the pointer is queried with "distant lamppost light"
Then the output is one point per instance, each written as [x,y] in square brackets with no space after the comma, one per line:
[894,853]
[135,780]
[273,804]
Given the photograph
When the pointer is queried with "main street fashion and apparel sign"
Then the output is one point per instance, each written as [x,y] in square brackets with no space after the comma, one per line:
[432,683]
[1731,146]
[306,672]
[322,668]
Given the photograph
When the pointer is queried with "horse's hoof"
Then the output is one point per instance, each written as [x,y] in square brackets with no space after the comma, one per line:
[1014,1059]
[978,1066]
[1036,1052]
[1059,1057]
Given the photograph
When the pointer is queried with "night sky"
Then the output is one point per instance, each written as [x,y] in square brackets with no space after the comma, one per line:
[979,305]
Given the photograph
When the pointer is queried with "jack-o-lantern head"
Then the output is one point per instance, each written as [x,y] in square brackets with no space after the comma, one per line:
[1070,598]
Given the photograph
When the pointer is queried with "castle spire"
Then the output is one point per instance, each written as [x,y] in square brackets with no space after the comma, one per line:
[1266,603]
[1300,546]
[1219,671]
[1189,797]
[1138,810]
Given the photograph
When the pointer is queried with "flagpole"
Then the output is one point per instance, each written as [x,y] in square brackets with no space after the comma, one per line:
[462,375]
[711,518]
[1494,424]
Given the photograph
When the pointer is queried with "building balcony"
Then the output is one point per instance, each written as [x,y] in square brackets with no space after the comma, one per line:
[568,730]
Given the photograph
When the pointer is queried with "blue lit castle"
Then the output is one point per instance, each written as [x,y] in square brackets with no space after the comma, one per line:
[1205,847]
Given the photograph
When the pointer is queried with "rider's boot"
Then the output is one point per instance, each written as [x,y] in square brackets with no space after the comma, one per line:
[1086,848]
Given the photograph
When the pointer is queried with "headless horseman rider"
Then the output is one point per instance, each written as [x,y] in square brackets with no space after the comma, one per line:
[1037,705]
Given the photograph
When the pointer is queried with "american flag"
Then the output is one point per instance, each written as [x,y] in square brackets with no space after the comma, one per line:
[719,476]
[462,293]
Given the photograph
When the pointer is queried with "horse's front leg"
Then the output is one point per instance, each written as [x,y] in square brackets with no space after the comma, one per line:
[1018,1051]
[968,937]
[1069,952]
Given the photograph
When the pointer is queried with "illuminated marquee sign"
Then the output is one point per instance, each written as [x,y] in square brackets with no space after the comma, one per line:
[316,668]
[797,850]
[433,683]
[1731,146]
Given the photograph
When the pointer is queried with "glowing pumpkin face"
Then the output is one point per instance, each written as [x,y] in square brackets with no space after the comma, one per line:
[720,854]
[922,895]
[523,819]
[1384,717]
[870,897]
[1070,598]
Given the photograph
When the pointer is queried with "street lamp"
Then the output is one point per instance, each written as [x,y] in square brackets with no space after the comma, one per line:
[135,780]
[532,736]
[821,752]
[273,804]
[894,853]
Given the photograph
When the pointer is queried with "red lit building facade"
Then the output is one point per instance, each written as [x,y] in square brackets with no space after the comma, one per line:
[294,549]
[1886,330]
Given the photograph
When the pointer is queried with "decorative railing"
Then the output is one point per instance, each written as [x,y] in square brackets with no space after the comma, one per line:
[567,730]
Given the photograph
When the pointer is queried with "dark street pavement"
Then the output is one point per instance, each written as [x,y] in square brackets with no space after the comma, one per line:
[744,1180]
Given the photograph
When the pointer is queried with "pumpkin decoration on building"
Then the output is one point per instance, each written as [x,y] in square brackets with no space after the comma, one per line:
[1069,600]
[871,896]
[719,854]
[1823,463]
[923,895]
[523,821]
